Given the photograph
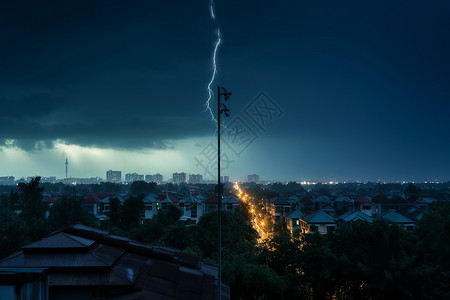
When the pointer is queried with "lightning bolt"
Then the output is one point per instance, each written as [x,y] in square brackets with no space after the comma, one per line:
[211,8]
[214,66]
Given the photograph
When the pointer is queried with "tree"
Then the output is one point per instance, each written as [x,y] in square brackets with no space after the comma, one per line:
[13,232]
[33,208]
[115,211]
[132,211]
[252,281]
[238,236]
[412,190]
[67,212]
[142,187]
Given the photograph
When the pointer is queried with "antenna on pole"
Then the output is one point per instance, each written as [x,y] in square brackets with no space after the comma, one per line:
[221,108]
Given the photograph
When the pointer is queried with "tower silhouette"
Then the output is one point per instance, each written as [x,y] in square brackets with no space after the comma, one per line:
[67,163]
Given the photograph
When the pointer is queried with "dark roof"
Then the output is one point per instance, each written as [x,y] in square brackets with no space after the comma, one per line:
[80,256]
[319,217]
[392,216]
[212,199]
[283,200]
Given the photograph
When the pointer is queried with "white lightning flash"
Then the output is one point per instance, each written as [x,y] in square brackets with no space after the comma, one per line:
[211,8]
[214,66]
[210,92]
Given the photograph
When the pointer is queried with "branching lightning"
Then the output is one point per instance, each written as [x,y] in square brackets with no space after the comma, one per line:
[214,66]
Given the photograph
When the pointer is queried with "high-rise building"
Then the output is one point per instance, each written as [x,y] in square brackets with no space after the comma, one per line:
[7,180]
[114,176]
[195,178]
[132,177]
[156,178]
[225,179]
[179,178]
[253,178]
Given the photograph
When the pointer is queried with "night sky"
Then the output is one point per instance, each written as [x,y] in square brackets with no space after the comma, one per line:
[362,88]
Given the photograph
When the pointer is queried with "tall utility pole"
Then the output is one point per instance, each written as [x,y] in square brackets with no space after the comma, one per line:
[221,108]
[67,162]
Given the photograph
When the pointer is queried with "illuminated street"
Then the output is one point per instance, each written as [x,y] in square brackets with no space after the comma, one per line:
[261,220]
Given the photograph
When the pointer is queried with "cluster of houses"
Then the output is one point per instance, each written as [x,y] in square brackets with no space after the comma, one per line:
[192,207]
[303,213]
[324,214]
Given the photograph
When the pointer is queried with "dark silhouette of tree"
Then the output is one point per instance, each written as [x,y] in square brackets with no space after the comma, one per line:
[132,212]
[13,232]
[142,187]
[66,212]
[249,280]
[115,211]
[34,208]
[412,190]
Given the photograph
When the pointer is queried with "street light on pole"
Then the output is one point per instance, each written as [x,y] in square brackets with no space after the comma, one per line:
[221,108]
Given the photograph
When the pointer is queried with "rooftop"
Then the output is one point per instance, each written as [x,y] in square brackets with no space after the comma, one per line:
[83,257]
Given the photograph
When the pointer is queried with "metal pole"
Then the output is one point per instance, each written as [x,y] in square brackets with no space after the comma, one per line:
[219,199]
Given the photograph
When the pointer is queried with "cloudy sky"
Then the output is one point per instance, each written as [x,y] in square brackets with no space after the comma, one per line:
[322,90]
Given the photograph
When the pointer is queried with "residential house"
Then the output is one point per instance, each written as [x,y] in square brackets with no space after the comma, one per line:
[348,218]
[293,221]
[319,221]
[393,217]
[365,205]
[280,208]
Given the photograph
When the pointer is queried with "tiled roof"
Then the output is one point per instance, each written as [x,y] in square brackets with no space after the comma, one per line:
[352,216]
[80,256]
[296,214]
[319,217]
[395,217]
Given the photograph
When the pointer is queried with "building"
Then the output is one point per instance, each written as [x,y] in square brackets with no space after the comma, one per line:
[156,178]
[280,208]
[80,262]
[293,221]
[253,178]
[225,179]
[179,178]
[319,221]
[114,176]
[195,178]
[7,180]
[132,177]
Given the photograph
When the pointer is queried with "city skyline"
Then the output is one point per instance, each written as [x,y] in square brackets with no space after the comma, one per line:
[324,91]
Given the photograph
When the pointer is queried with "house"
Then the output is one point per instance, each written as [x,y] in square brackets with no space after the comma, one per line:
[344,204]
[350,217]
[385,204]
[211,204]
[393,217]
[325,204]
[80,263]
[280,208]
[151,206]
[293,221]
[191,209]
[364,204]
[230,202]
[319,221]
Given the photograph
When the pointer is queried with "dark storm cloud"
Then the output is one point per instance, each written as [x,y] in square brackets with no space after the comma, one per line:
[101,73]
